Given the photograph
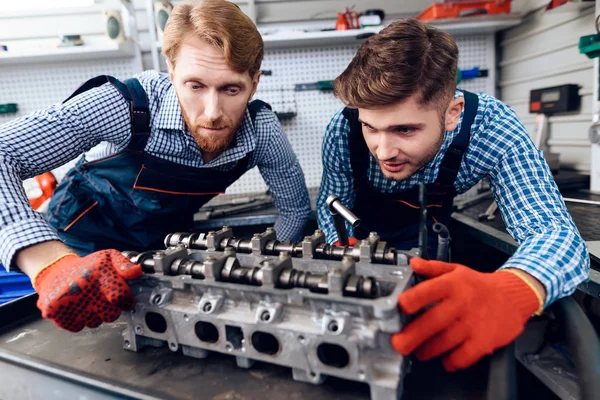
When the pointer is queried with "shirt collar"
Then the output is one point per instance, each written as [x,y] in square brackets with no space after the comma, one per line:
[169,114]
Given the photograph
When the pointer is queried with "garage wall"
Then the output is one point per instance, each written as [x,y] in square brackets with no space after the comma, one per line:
[269,13]
[541,52]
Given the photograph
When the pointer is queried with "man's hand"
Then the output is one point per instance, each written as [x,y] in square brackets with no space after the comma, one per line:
[85,291]
[472,313]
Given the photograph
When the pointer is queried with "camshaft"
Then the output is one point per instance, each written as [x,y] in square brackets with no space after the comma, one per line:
[232,271]
[198,241]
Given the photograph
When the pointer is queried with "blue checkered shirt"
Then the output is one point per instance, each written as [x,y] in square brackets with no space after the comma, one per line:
[550,246]
[99,120]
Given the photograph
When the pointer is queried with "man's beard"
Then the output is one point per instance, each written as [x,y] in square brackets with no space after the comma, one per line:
[212,142]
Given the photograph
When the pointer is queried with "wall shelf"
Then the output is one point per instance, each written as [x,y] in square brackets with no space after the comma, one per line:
[299,38]
[469,25]
[77,53]
[478,24]
[287,39]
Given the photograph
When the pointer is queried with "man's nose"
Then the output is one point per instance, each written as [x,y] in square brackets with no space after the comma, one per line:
[212,106]
[386,149]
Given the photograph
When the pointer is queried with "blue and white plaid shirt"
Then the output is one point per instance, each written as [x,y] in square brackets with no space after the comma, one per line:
[47,139]
[550,246]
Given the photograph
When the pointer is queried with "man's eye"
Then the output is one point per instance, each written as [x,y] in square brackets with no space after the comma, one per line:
[369,127]
[405,129]
[232,91]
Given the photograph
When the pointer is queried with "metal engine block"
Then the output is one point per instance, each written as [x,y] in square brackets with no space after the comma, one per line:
[316,308]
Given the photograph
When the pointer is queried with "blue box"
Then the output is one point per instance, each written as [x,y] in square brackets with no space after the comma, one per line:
[13,285]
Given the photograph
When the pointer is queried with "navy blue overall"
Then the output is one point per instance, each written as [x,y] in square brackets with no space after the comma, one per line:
[395,216]
[132,200]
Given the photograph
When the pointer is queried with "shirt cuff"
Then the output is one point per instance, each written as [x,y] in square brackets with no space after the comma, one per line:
[549,281]
[22,234]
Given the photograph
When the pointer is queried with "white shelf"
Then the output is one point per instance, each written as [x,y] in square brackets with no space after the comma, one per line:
[479,24]
[299,38]
[76,53]
[287,39]
[468,25]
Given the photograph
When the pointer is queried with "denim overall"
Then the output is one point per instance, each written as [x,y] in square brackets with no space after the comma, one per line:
[132,200]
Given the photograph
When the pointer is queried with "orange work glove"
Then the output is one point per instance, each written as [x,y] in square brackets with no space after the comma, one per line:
[473,313]
[351,242]
[84,291]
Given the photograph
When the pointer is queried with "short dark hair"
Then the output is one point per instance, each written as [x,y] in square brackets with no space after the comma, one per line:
[407,57]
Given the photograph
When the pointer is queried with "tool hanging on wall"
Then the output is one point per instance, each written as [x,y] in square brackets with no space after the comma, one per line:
[323,86]
[468,74]
[9,108]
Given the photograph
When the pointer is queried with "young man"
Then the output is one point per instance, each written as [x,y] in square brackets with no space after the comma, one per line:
[172,142]
[406,123]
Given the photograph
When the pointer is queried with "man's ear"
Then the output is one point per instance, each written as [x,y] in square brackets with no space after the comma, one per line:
[453,113]
[255,81]
[171,69]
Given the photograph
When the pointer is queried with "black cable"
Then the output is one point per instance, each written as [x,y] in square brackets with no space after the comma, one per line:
[502,379]
[583,342]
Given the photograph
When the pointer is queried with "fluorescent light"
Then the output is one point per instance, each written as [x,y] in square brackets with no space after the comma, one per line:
[42,4]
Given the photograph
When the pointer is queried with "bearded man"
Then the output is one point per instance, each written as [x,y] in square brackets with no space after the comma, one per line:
[168,144]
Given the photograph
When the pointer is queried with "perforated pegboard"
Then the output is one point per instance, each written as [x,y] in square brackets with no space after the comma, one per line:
[315,109]
[37,86]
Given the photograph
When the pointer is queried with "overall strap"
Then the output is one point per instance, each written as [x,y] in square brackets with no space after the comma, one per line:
[359,152]
[451,162]
[133,92]
[255,106]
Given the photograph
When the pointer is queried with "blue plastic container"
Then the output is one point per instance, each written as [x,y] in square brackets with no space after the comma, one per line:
[13,285]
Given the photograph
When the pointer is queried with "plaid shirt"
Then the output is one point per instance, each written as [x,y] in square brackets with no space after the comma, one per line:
[99,120]
[550,246]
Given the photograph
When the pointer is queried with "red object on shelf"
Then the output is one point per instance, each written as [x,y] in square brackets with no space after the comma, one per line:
[556,3]
[341,24]
[352,18]
[457,9]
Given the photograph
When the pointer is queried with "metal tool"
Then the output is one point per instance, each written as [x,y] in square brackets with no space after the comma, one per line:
[443,247]
[423,220]
[340,215]
[461,205]
[234,206]
[581,201]
[488,215]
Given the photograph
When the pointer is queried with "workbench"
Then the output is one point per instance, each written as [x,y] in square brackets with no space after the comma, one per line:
[40,361]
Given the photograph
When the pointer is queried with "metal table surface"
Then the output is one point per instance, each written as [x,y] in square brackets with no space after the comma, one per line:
[38,360]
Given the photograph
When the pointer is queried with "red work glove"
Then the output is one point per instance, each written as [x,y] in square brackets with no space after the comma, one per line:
[473,313]
[351,242]
[84,291]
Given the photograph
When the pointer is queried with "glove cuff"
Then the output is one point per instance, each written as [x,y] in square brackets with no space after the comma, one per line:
[41,272]
[525,297]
